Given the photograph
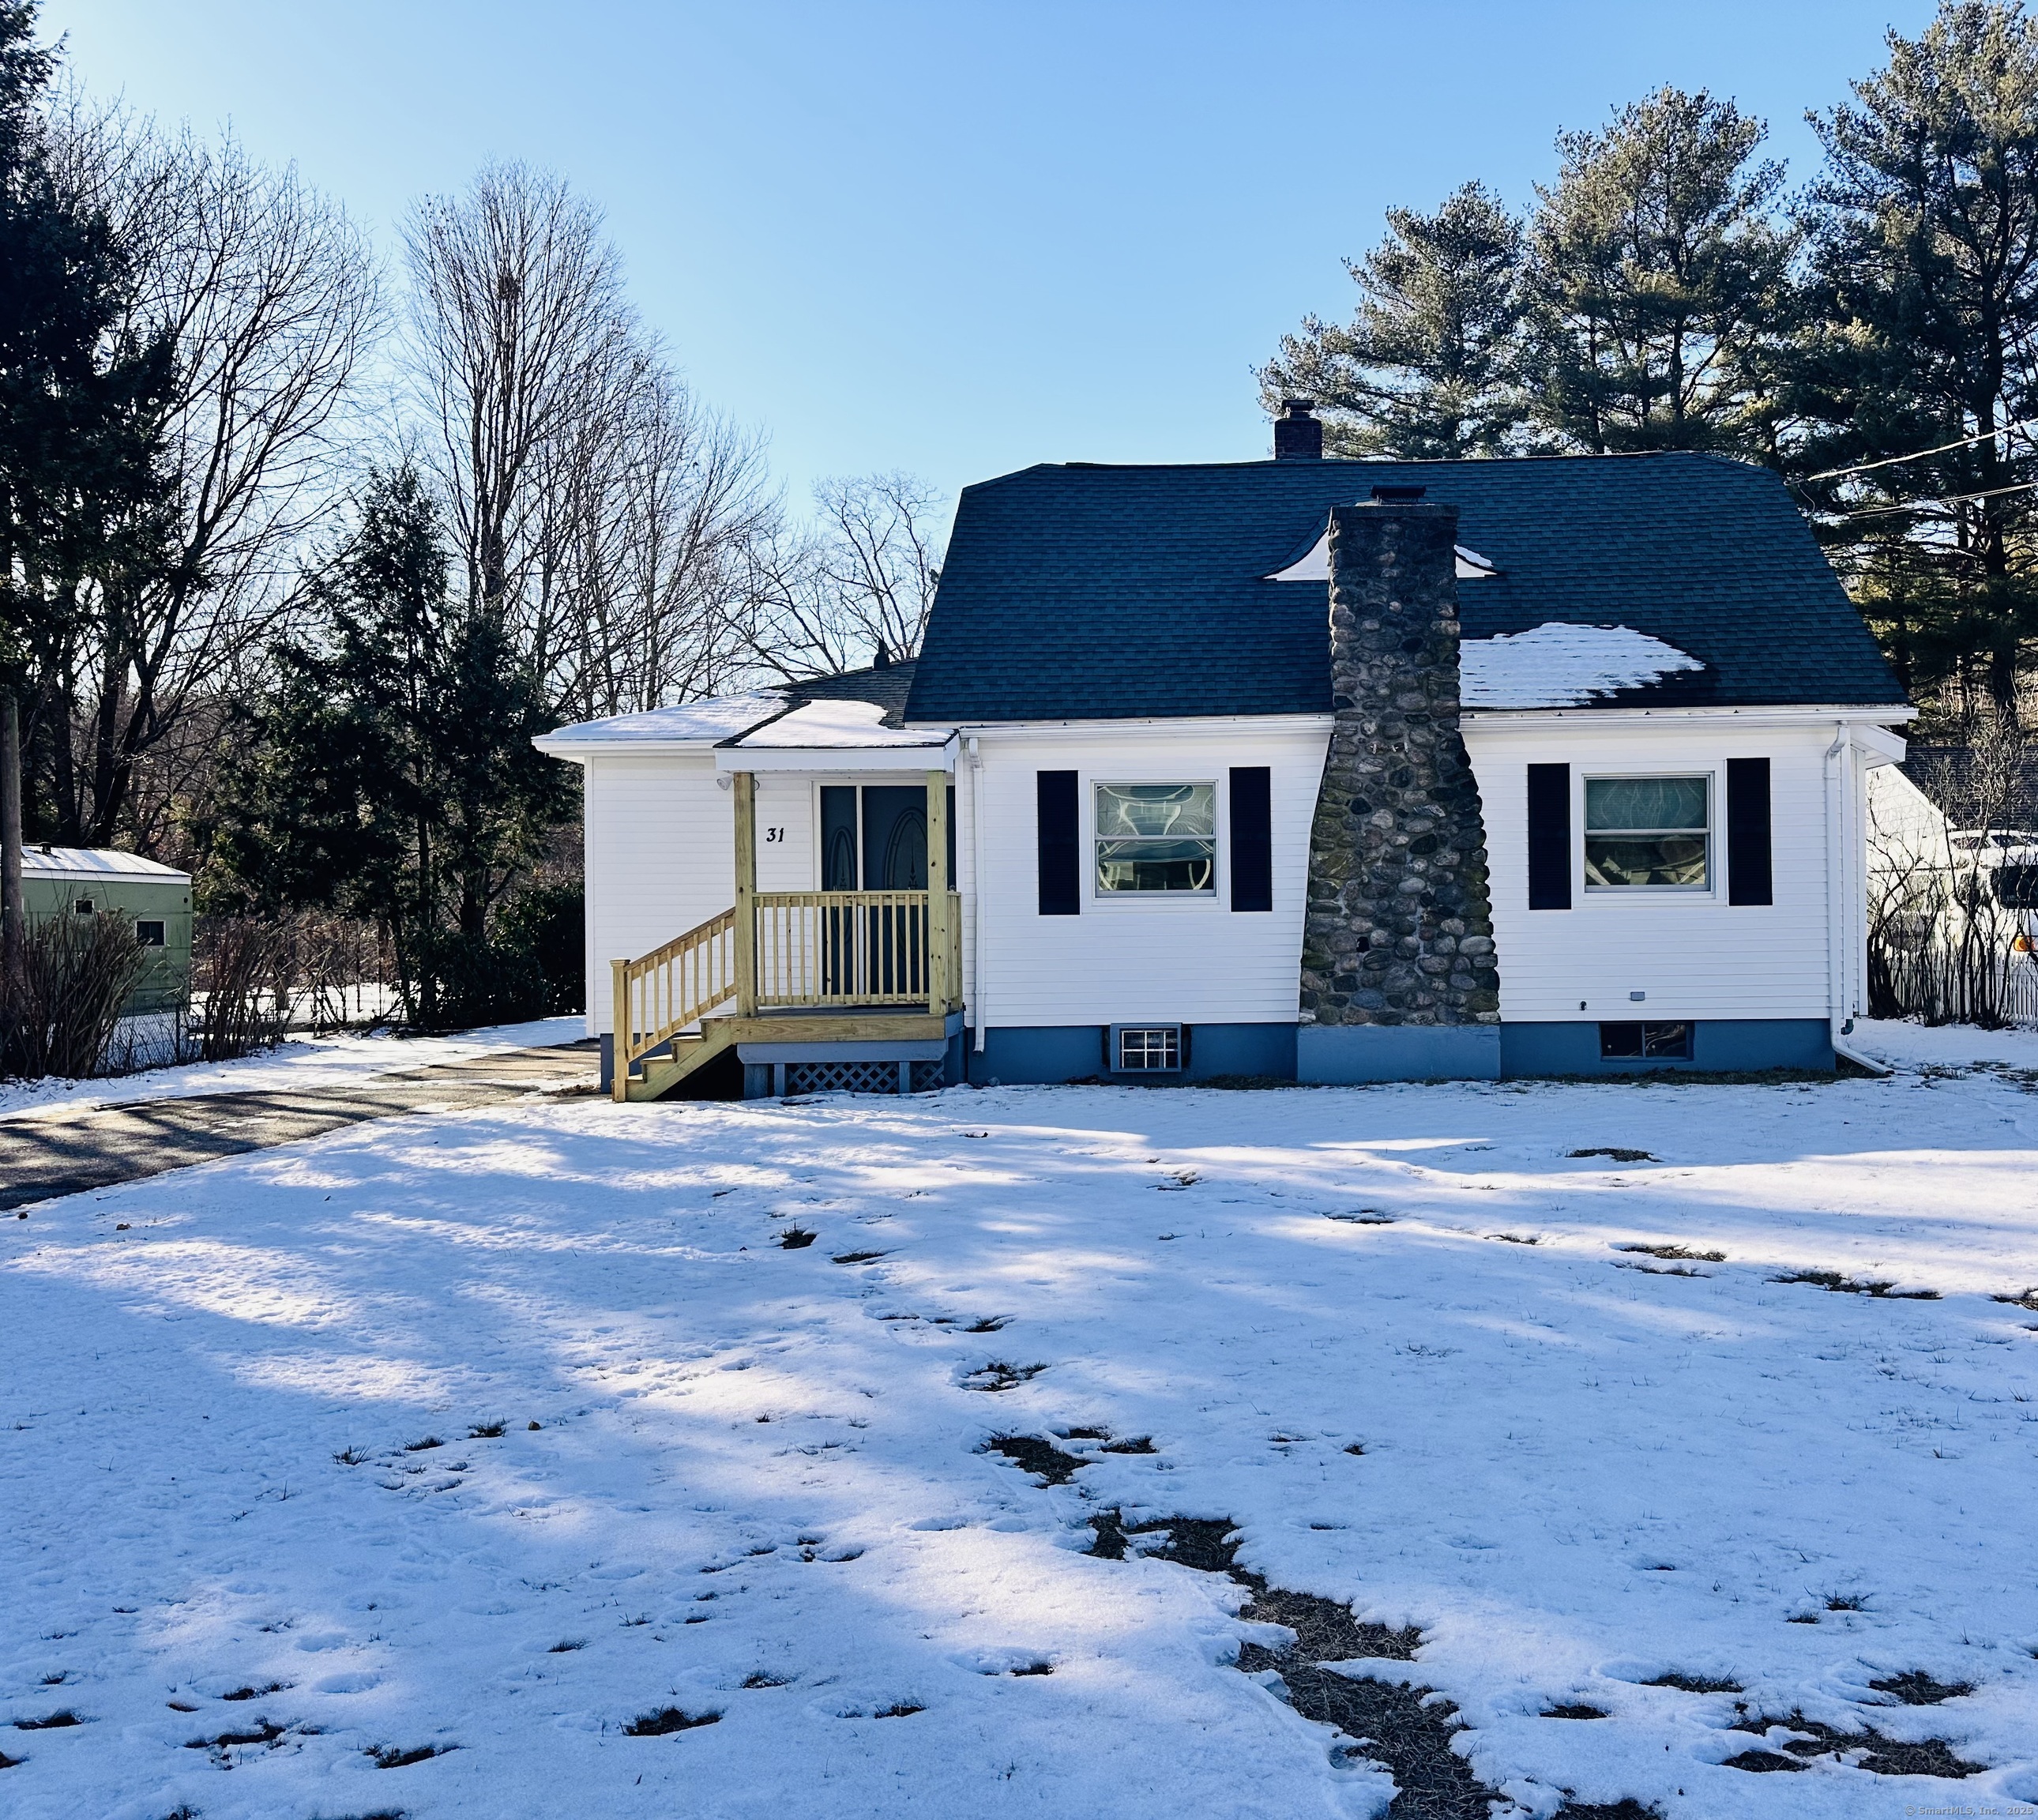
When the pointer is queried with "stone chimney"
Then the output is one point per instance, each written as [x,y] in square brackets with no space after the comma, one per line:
[1297,435]
[1400,979]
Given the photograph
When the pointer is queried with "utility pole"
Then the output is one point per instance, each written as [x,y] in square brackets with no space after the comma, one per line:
[13,928]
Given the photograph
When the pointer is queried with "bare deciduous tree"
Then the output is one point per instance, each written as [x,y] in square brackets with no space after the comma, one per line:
[855,585]
[601,513]
[269,295]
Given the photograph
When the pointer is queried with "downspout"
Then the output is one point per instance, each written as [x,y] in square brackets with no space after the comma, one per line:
[1839,922]
[976,888]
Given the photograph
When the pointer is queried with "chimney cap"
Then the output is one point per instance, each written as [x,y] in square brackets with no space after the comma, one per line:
[1298,435]
[1389,494]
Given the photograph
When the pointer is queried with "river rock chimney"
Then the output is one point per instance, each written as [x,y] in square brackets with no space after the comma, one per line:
[1399,979]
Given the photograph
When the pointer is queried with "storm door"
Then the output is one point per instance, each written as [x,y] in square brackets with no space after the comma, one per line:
[876,834]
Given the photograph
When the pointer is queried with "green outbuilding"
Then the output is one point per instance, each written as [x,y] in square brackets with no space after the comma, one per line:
[97,881]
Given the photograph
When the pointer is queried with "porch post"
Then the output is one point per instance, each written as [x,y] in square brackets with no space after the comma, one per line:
[620,1033]
[745,804]
[938,892]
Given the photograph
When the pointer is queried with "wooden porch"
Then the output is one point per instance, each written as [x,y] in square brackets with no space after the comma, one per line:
[804,966]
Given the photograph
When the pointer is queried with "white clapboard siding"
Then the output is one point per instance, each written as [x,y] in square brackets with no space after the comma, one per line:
[1694,955]
[660,858]
[787,832]
[1192,959]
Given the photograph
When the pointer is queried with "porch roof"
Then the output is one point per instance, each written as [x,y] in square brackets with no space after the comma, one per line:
[836,735]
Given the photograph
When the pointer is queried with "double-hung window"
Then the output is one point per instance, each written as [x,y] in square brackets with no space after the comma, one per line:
[1648,833]
[1156,837]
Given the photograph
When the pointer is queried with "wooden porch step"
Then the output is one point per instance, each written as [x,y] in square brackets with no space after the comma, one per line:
[656,1075]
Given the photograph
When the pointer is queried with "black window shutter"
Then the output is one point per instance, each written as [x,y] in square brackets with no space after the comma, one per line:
[1061,857]
[1748,880]
[1251,837]
[1549,837]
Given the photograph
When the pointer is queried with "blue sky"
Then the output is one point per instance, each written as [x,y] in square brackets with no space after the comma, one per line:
[958,238]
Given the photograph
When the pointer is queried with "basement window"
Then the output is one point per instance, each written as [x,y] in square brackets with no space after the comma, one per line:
[149,932]
[1156,837]
[1146,1048]
[1645,1042]
[1648,833]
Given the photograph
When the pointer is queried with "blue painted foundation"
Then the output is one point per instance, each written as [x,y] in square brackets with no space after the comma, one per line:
[1719,1045]
[1351,1054]
[1047,1055]
[1333,1055]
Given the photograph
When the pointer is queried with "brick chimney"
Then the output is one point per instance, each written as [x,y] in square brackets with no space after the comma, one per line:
[1297,435]
[1399,979]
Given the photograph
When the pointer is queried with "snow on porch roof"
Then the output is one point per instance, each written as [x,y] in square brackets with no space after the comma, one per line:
[695,723]
[835,735]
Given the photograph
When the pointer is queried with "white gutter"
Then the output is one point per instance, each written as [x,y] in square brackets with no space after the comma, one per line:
[1839,920]
[976,888]
[1535,718]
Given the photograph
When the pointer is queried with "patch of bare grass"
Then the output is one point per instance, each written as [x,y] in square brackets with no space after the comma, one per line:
[1878,1755]
[1042,1459]
[1838,1284]
[1915,1688]
[998,1376]
[662,1721]
[1675,1253]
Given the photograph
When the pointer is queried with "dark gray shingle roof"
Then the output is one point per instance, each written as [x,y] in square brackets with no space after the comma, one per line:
[1093,592]
[887,685]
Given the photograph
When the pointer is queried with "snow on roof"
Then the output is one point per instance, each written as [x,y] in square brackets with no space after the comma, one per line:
[838,727]
[697,722]
[1560,666]
[1315,565]
[97,862]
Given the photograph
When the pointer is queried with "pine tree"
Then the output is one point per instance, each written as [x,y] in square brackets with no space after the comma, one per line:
[1659,279]
[85,503]
[1924,295]
[390,773]
[1425,368]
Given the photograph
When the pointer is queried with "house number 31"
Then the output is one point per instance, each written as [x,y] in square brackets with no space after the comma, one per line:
[772,834]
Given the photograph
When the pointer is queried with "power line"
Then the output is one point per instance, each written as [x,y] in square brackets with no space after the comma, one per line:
[1938,499]
[1944,448]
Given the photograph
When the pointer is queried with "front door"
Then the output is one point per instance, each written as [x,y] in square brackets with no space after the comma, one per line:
[895,837]
[879,831]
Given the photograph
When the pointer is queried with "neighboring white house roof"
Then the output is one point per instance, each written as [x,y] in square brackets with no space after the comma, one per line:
[96,863]
[692,723]
[1559,665]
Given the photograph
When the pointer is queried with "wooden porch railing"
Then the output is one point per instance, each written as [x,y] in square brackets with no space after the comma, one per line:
[823,948]
[658,995]
[808,950]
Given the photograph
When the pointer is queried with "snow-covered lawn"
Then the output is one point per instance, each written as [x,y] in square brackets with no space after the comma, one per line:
[489,1433]
[348,1058]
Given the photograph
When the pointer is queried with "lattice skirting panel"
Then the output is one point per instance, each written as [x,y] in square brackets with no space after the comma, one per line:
[863,1077]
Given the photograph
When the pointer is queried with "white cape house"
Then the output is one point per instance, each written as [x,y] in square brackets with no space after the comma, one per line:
[1300,769]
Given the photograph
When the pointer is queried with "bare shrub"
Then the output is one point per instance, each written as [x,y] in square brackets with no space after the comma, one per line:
[242,977]
[340,967]
[1947,871]
[64,1002]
